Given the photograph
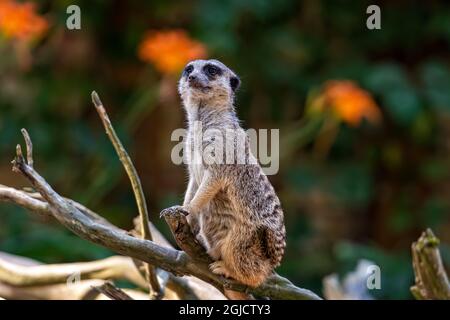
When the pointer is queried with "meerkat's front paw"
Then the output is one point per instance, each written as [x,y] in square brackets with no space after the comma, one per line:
[174,210]
[219,268]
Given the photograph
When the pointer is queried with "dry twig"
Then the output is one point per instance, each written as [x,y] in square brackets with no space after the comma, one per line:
[112,292]
[116,267]
[174,261]
[430,276]
[155,288]
[185,287]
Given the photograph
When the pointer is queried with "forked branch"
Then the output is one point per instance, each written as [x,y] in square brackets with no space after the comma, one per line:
[155,288]
[174,261]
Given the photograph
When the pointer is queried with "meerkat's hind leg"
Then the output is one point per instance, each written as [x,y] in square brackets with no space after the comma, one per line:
[247,257]
[219,268]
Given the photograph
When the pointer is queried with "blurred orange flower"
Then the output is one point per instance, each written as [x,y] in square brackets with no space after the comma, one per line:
[170,50]
[20,20]
[348,101]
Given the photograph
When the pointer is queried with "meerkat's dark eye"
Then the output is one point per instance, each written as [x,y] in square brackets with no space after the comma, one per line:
[188,70]
[212,70]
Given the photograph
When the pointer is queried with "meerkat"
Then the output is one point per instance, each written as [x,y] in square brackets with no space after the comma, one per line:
[232,208]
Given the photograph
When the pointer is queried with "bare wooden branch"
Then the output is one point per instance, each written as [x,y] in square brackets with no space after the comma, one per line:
[181,231]
[24,200]
[155,288]
[177,262]
[187,287]
[112,292]
[29,144]
[16,271]
[83,290]
[116,267]
[431,279]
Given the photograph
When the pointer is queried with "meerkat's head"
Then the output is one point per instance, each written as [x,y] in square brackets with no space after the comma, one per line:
[209,82]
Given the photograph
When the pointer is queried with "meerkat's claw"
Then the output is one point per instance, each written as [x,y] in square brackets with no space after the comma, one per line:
[173,211]
[219,268]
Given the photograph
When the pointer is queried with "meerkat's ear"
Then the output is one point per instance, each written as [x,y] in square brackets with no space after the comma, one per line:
[234,83]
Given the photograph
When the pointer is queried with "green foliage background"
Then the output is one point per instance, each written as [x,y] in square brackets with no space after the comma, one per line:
[370,197]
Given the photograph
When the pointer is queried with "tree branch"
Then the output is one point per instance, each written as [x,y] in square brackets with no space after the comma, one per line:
[430,276]
[175,261]
[116,267]
[80,291]
[186,287]
[112,292]
[181,231]
[155,288]
[18,272]
[84,290]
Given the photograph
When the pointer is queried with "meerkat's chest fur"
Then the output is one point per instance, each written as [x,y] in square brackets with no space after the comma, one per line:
[206,137]
[207,133]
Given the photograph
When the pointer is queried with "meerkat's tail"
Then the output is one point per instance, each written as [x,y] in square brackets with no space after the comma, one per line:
[274,243]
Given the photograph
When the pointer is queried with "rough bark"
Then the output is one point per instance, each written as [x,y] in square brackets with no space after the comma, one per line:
[155,288]
[431,279]
[112,268]
[84,225]
[84,290]
[112,292]
[185,287]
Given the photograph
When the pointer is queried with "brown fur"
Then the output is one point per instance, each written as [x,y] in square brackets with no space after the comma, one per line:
[233,209]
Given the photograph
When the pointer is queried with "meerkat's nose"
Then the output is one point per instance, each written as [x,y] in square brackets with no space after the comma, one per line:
[197,81]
